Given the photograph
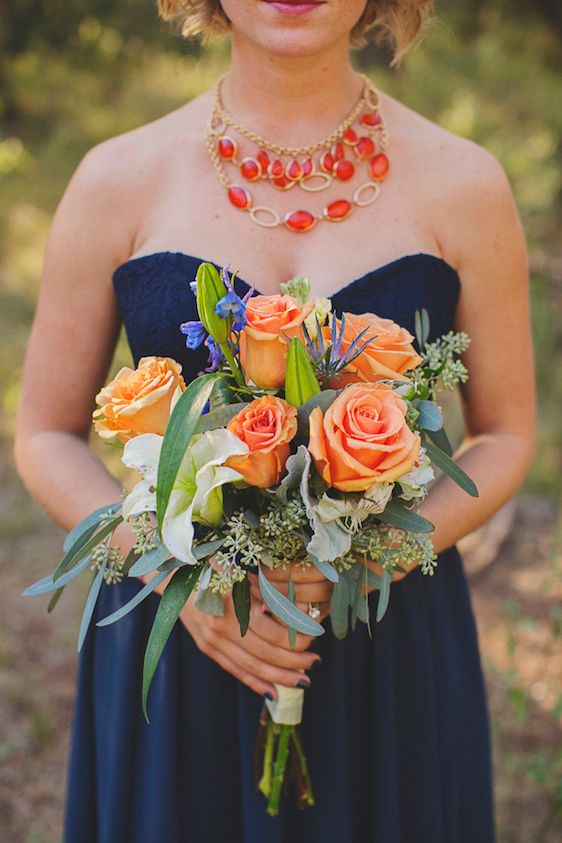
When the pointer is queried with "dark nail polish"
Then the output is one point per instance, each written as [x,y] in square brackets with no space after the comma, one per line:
[302,683]
[269,696]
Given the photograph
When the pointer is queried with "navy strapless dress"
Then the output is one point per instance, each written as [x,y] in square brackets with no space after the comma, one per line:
[395,727]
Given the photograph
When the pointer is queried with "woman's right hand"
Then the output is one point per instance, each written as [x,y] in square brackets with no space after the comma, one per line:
[259,659]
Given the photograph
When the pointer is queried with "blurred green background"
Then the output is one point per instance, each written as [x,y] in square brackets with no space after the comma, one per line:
[76,72]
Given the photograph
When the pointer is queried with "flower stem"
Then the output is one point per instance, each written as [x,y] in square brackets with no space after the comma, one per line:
[307,796]
[232,362]
[265,782]
[279,769]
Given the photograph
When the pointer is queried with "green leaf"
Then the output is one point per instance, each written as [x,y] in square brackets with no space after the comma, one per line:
[284,609]
[325,569]
[179,431]
[241,597]
[55,599]
[138,598]
[421,320]
[454,471]
[94,519]
[171,603]
[202,551]
[85,544]
[90,604]
[384,595]
[292,596]
[339,608]
[46,585]
[148,562]
[357,599]
[209,602]
[301,382]
[323,399]
[430,417]
[219,418]
[397,515]
[440,438]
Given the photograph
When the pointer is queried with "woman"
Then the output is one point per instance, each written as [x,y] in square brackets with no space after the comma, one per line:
[395,726]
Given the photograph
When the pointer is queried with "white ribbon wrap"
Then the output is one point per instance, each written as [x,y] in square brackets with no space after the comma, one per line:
[287,708]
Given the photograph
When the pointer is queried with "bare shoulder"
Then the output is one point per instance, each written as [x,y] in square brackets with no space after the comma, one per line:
[116,178]
[472,207]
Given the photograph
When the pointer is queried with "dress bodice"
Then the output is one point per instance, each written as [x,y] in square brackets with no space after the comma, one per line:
[154,298]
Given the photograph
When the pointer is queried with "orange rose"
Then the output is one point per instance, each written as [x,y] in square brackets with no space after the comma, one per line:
[266,426]
[363,438]
[138,400]
[388,356]
[264,342]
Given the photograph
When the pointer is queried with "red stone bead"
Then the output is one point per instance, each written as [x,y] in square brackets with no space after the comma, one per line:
[379,167]
[239,197]
[263,159]
[276,169]
[338,210]
[344,170]
[283,182]
[327,162]
[300,221]
[365,147]
[294,171]
[371,118]
[250,169]
[307,167]
[338,151]
[227,147]
[350,136]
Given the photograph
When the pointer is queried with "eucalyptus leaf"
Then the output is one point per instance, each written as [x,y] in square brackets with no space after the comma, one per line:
[90,604]
[454,471]
[325,569]
[400,516]
[210,603]
[94,519]
[150,561]
[218,418]
[171,603]
[373,580]
[205,577]
[439,438]
[55,599]
[47,585]
[242,599]
[430,417]
[203,551]
[384,595]
[180,429]
[85,544]
[357,599]
[138,598]
[421,320]
[339,608]
[284,609]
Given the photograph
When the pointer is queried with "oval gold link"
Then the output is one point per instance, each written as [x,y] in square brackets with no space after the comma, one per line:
[254,213]
[312,188]
[358,195]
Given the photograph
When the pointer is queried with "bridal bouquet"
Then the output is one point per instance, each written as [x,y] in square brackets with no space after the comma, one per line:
[309,441]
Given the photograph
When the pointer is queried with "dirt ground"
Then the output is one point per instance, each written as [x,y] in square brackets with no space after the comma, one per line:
[517,594]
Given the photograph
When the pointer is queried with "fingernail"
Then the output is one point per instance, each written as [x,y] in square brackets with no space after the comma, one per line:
[269,696]
[302,683]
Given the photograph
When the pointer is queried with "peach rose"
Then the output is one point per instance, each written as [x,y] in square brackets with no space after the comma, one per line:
[390,355]
[266,426]
[138,400]
[363,438]
[264,342]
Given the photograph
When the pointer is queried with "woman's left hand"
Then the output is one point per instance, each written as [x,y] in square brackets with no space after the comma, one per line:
[310,587]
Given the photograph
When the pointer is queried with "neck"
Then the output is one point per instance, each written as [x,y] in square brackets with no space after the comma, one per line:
[293,100]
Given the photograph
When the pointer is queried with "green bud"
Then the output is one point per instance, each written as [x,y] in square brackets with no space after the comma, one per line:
[210,290]
[300,381]
[298,287]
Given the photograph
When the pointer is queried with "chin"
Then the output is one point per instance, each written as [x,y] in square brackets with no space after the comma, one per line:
[290,28]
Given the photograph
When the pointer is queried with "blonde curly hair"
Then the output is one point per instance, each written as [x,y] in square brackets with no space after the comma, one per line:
[396,23]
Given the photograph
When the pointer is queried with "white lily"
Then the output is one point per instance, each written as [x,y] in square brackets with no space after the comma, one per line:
[414,484]
[196,495]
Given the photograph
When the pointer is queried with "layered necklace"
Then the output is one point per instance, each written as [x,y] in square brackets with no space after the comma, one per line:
[360,141]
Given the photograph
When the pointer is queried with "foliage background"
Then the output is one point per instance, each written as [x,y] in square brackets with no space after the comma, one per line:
[74,72]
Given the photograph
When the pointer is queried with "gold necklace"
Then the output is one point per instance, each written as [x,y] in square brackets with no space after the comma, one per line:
[288,167]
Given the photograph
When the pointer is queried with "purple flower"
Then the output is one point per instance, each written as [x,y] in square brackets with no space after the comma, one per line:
[232,305]
[215,355]
[195,334]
